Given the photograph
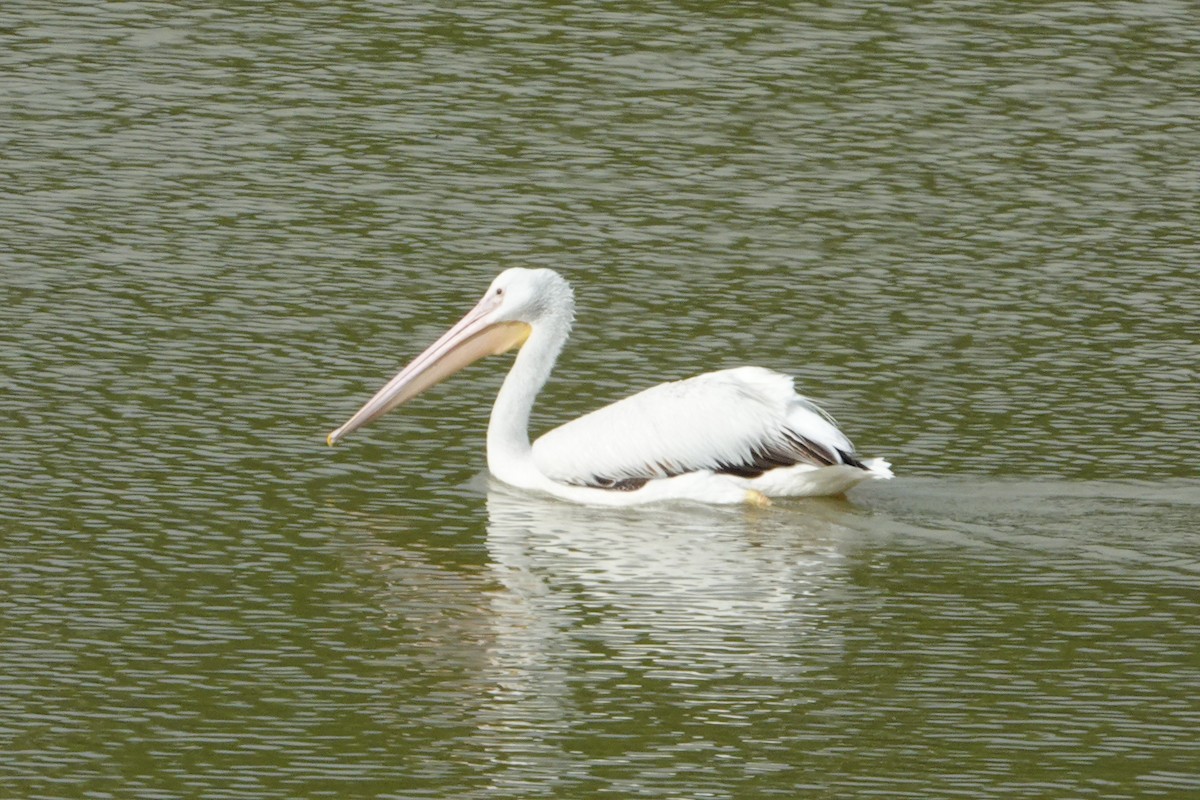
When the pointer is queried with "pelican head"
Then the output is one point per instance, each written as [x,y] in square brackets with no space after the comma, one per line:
[515,307]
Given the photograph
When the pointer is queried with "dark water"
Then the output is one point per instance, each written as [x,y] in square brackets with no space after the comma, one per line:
[968,230]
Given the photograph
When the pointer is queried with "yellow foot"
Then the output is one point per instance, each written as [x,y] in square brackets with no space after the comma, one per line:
[757,498]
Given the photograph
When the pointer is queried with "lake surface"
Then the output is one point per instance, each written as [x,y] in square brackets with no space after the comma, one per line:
[969,232]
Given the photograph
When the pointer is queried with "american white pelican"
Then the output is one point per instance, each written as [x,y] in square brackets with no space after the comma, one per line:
[734,436]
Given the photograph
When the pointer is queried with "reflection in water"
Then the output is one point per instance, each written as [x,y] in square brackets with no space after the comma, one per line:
[818,643]
[616,647]
[664,574]
[679,602]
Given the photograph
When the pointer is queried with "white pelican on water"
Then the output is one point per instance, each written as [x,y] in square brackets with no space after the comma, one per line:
[734,436]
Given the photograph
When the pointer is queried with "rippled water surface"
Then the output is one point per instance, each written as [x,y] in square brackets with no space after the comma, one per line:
[968,230]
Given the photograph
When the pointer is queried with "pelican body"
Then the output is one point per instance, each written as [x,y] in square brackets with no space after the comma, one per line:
[733,436]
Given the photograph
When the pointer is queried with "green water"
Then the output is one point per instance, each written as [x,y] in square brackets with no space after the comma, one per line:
[968,230]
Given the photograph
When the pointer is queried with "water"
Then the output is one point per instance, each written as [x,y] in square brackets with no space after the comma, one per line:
[969,232]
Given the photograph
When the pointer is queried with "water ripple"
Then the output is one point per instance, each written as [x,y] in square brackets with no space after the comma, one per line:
[967,230]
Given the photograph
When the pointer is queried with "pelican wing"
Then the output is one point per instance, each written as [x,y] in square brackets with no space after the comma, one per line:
[739,421]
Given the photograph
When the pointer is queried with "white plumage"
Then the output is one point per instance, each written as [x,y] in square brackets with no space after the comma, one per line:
[737,435]
[704,422]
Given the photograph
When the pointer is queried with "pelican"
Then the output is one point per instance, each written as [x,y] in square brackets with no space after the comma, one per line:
[734,436]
